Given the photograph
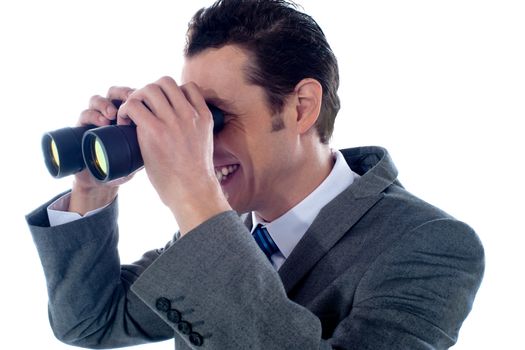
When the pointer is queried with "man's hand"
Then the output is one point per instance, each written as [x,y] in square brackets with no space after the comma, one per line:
[175,134]
[87,193]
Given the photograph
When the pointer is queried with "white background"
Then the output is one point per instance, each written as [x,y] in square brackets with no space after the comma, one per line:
[441,84]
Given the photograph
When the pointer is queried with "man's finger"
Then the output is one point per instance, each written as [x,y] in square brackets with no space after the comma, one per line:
[135,110]
[94,117]
[103,105]
[176,97]
[193,94]
[119,93]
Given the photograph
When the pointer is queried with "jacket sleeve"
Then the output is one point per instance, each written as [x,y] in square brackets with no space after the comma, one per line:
[90,303]
[226,291]
[226,295]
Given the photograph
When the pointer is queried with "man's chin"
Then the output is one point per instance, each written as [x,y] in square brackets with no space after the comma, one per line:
[235,205]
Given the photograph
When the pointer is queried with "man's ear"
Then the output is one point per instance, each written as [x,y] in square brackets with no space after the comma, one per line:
[309,97]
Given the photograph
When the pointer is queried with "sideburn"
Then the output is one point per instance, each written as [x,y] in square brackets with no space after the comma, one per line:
[277,123]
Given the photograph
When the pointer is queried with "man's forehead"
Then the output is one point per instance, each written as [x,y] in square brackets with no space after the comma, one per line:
[220,73]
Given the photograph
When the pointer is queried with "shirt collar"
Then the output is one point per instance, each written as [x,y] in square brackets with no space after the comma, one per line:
[288,229]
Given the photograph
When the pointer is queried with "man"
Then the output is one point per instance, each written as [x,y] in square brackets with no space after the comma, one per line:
[333,252]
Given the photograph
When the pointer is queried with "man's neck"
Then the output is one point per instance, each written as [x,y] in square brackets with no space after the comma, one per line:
[314,169]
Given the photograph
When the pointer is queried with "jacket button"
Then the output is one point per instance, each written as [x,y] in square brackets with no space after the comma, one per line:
[184,327]
[174,315]
[163,304]
[196,339]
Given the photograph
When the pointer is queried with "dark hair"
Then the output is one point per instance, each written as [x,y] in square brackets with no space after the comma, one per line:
[287,46]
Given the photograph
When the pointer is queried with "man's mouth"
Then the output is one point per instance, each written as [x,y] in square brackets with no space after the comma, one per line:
[223,173]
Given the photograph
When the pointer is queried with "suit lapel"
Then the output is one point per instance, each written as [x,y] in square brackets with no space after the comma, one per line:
[334,220]
[337,217]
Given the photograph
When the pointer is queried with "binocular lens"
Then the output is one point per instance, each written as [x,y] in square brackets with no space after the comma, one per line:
[55,159]
[100,157]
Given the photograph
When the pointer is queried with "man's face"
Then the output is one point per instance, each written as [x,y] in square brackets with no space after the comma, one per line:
[255,162]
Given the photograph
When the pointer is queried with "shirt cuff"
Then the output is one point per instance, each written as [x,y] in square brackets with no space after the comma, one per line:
[58,211]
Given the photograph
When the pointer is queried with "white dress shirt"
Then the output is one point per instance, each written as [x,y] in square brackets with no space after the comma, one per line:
[58,211]
[288,229]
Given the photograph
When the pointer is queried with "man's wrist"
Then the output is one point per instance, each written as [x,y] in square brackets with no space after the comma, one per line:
[194,209]
[86,199]
[59,214]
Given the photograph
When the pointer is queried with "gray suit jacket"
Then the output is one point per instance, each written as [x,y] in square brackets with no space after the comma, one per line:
[378,269]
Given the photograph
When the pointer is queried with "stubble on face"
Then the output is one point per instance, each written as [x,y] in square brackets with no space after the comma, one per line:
[277,122]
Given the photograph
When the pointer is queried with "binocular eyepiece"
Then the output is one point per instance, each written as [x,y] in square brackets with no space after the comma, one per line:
[109,152]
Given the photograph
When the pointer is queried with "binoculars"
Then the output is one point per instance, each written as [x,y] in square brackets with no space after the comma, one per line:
[109,152]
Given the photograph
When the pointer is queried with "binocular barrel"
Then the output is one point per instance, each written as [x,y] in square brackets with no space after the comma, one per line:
[63,150]
[109,152]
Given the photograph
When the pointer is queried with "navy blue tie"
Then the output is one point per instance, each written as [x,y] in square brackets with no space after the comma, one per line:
[265,242]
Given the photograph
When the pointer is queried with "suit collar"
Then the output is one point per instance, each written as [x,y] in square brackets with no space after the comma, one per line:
[376,168]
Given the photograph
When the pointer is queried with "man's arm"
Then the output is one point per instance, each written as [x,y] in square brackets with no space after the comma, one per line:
[415,296]
[228,293]
[90,303]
